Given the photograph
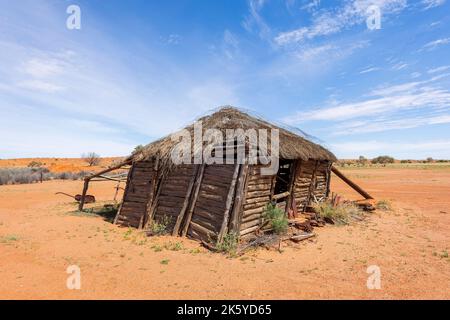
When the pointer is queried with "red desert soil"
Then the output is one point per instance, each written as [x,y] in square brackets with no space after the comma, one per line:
[40,238]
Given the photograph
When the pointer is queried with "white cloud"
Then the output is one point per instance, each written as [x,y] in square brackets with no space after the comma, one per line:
[399,66]
[383,124]
[438,69]
[328,52]
[432,45]
[369,69]
[311,6]
[39,85]
[335,20]
[43,68]
[428,4]
[231,44]
[419,95]
[254,20]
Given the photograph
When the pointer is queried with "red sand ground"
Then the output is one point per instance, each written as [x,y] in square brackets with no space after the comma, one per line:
[39,239]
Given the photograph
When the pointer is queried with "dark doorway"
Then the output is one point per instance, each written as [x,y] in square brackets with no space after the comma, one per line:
[283,176]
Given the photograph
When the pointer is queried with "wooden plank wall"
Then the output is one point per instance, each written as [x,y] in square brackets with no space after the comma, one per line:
[302,183]
[137,193]
[321,181]
[311,177]
[257,197]
[173,194]
[209,208]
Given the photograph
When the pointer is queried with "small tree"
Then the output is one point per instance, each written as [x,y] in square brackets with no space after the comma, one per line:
[91,158]
[362,160]
[34,164]
[430,159]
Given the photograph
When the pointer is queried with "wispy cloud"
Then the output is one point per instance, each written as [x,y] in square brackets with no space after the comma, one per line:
[432,45]
[386,107]
[311,6]
[254,20]
[333,21]
[40,85]
[231,44]
[369,69]
[43,68]
[438,69]
[399,66]
[428,4]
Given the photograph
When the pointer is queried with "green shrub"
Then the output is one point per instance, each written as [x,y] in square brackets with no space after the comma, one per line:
[229,243]
[160,227]
[277,219]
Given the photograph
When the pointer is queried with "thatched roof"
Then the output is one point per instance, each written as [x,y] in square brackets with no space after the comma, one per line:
[292,146]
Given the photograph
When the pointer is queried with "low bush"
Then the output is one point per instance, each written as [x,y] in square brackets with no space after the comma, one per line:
[35,174]
[340,214]
[229,244]
[277,219]
[160,226]
[383,160]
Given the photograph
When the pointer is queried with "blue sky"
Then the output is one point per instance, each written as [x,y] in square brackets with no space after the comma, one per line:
[138,70]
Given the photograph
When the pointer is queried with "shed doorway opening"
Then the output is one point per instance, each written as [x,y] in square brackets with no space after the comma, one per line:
[283,180]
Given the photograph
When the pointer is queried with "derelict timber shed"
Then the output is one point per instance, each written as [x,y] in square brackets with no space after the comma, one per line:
[205,202]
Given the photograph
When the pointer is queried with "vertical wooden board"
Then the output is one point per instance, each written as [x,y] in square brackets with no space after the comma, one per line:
[136,195]
[215,185]
[265,191]
[174,190]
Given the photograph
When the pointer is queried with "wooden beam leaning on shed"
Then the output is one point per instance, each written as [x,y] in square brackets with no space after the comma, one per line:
[87,179]
[353,185]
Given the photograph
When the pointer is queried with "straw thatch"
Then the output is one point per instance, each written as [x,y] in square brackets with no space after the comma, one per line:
[292,146]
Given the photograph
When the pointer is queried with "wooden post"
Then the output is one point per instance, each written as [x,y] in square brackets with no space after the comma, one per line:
[226,215]
[351,183]
[83,195]
[292,175]
[127,186]
[239,200]
[180,217]
[152,196]
[328,179]
[198,183]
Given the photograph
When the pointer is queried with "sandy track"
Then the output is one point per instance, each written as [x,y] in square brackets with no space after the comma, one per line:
[39,239]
